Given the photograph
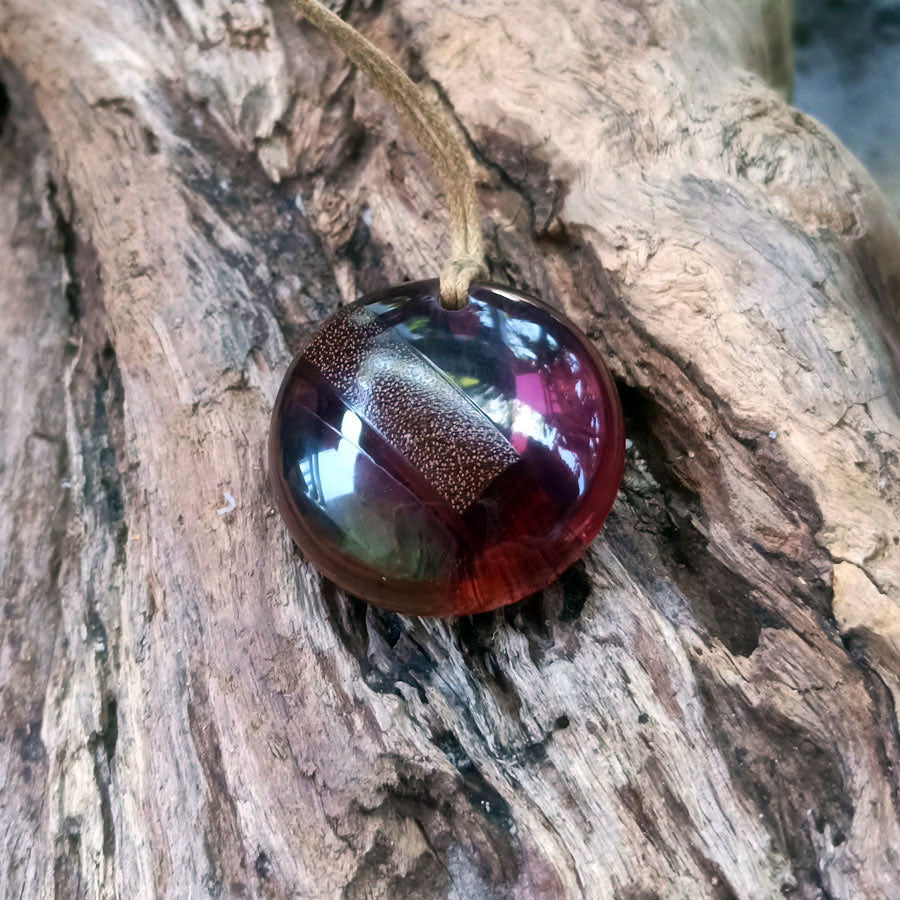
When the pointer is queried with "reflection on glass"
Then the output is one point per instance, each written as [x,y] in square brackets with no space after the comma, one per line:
[330,473]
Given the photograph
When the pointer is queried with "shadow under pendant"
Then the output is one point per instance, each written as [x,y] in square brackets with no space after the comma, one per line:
[446,462]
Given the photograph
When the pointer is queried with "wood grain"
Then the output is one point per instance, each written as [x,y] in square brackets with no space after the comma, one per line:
[704,707]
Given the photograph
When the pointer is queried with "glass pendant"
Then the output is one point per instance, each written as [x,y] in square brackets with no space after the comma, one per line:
[446,462]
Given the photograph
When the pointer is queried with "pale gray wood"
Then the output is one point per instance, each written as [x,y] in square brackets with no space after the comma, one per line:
[704,707]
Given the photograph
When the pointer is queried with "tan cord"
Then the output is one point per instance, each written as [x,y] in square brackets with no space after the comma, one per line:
[430,126]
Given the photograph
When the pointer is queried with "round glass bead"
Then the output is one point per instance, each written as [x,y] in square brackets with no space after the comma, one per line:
[445,462]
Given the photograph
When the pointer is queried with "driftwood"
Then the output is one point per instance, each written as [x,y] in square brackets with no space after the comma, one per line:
[706,706]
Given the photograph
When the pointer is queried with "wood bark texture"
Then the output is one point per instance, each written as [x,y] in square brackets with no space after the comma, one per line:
[704,707]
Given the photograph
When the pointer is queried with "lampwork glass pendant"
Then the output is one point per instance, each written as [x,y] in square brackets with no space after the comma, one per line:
[445,462]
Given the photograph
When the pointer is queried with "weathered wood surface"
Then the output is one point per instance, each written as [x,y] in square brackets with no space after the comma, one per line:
[705,707]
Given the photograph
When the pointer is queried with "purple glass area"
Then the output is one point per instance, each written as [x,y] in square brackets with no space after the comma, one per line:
[445,462]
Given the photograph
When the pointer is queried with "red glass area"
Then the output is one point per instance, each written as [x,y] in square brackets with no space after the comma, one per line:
[440,462]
